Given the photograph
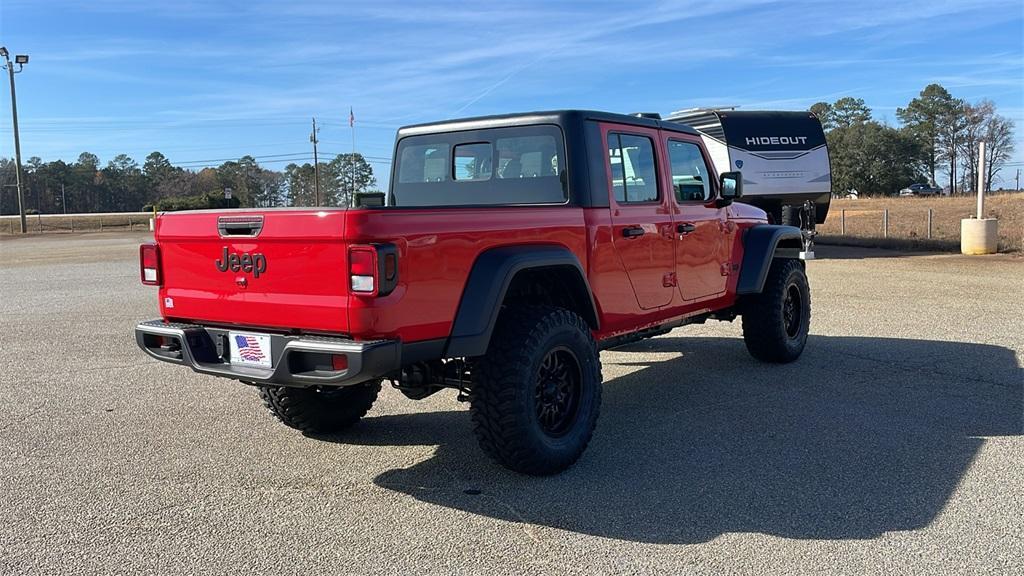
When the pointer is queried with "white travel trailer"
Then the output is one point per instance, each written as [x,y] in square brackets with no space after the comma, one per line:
[782,155]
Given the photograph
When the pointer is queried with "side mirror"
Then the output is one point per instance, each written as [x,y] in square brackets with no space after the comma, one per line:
[730,187]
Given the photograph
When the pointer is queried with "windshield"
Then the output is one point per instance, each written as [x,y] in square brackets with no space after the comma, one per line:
[520,165]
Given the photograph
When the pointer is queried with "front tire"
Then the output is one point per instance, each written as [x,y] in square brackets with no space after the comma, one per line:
[776,321]
[320,410]
[537,393]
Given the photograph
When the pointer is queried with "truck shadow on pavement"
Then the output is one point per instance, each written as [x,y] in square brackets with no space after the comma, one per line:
[860,437]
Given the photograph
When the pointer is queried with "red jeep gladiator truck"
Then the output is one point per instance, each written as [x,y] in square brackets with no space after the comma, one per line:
[509,250]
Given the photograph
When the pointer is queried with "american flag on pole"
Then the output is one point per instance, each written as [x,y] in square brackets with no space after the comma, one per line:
[249,348]
[351,118]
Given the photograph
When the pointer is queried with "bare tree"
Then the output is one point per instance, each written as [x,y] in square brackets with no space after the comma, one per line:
[998,134]
[976,118]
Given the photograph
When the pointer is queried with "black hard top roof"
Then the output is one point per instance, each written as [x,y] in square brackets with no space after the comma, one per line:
[559,117]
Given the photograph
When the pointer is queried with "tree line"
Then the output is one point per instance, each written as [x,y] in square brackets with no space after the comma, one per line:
[937,137]
[936,142]
[122,185]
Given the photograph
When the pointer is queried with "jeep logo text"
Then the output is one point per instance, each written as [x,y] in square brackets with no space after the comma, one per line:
[255,263]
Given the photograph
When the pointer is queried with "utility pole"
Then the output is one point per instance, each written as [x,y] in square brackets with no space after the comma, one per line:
[21,60]
[316,164]
[352,125]
[1017,187]
[63,198]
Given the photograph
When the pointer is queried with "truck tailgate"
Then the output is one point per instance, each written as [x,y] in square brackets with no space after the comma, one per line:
[274,268]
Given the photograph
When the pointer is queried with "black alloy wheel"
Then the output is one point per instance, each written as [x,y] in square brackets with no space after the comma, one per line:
[557,393]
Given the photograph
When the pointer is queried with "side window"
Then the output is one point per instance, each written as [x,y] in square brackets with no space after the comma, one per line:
[690,178]
[427,163]
[472,162]
[528,157]
[634,175]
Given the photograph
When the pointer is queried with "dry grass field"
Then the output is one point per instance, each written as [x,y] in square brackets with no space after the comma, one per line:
[908,221]
[50,223]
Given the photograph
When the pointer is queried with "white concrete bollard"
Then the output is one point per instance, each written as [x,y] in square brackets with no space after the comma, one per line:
[979,236]
[151,226]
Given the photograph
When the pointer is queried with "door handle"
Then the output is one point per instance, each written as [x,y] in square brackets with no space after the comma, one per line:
[632,231]
[686,228]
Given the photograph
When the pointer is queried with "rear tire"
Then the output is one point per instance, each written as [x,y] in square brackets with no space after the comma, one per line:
[320,410]
[776,321]
[537,393]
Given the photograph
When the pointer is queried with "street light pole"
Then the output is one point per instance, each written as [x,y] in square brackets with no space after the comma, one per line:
[21,59]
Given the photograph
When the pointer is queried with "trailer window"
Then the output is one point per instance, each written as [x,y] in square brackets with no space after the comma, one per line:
[690,178]
[519,165]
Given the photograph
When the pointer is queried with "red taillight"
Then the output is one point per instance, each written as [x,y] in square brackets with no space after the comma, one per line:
[149,262]
[363,261]
[373,269]
[362,269]
[339,362]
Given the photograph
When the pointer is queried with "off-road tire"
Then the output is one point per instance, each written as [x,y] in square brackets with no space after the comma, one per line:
[320,411]
[770,330]
[517,394]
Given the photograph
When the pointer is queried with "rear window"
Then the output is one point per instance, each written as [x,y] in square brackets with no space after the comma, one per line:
[521,165]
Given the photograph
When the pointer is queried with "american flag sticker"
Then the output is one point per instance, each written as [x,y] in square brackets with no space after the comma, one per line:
[253,349]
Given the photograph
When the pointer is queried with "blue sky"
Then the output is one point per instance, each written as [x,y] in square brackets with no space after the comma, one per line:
[204,81]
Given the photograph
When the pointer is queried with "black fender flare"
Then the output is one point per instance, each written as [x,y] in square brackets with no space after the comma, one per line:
[759,249]
[488,282]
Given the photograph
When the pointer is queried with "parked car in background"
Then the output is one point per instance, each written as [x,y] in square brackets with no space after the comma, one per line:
[921,190]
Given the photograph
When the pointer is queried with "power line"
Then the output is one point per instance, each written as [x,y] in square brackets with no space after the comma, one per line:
[308,158]
[236,158]
[302,157]
[175,149]
[113,125]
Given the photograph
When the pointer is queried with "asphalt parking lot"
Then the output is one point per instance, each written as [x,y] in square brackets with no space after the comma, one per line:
[894,445]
